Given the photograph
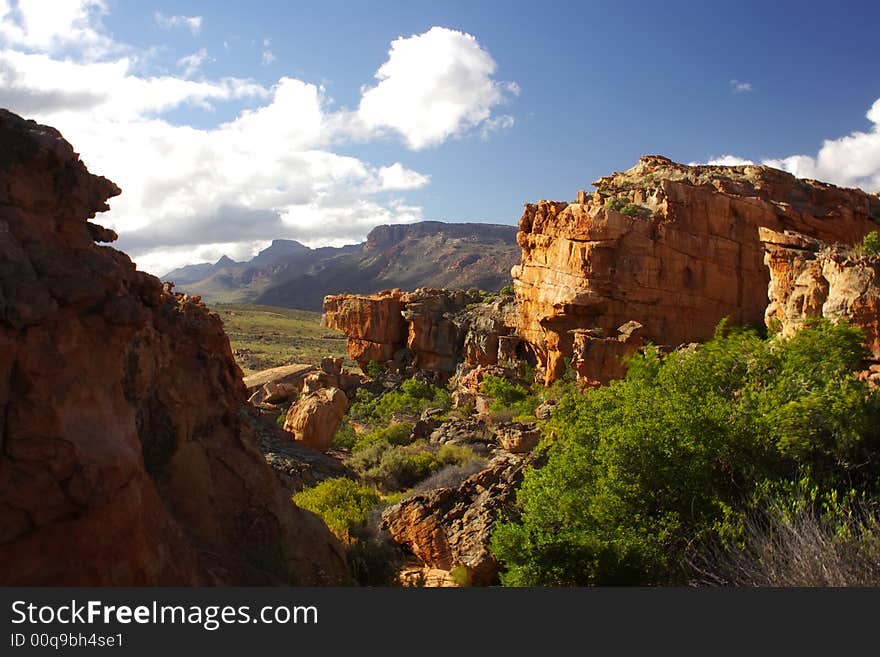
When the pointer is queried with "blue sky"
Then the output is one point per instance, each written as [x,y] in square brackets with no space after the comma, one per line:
[544,98]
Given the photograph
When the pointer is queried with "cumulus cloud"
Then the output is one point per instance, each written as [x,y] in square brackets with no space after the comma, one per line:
[849,161]
[433,86]
[32,26]
[397,177]
[192,23]
[728,161]
[195,193]
[740,87]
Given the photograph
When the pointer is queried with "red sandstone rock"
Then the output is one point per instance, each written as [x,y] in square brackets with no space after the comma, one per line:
[128,456]
[677,252]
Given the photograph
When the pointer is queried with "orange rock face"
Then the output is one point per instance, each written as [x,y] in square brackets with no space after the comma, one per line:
[432,329]
[672,247]
[128,456]
[810,279]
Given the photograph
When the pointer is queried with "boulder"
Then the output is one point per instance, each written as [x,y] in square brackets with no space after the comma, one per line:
[451,527]
[518,437]
[316,417]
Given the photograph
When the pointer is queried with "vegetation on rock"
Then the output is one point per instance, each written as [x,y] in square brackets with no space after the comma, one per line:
[645,473]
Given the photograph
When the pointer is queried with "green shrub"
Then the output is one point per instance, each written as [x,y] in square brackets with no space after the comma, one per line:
[397,468]
[632,209]
[363,408]
[461,576]
[373,369]
[674,455]
[507,291]
[411,398]
[345,437]
[510,399]
[396,434]
[871,244]
[344,504]
[617,203]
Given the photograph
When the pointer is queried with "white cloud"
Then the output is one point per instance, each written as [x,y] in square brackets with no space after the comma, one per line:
[192,63]
[193,23]
[496,124]
[32,26]
[849,161]
[728,161]
[195,193]
[267,56]
[740,87]
[397,177]
[433,86]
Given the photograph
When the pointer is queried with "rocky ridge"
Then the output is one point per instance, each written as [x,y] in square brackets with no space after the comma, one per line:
[672,247]
[423,254]
[429,329]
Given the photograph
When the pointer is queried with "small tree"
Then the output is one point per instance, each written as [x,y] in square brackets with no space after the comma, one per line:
[871,244]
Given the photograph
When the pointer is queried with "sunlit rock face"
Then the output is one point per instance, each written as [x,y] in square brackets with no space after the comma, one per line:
[674,248]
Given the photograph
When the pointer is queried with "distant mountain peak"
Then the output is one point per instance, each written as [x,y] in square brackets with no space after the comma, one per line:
[427,253]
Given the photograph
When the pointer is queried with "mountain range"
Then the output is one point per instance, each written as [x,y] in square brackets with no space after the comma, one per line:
[424,254]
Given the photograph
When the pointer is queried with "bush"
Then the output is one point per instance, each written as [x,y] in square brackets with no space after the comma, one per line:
[344,504]
[673,455]
[373,369]
[507,291]
[510,399]
[345,437]
[632,210]
[396,434]
[363,408]
[450,476]
[871,244]
[397,468]
[617,203]
[412,398]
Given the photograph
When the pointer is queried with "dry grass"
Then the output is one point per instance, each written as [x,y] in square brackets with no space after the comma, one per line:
[803,551]
[266,336]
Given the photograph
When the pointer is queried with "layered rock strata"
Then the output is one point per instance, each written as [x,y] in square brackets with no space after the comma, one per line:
[672,247]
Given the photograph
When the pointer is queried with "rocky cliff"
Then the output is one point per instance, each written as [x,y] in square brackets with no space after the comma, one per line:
[430,329]
[811,279]
[128,455]
[674,248]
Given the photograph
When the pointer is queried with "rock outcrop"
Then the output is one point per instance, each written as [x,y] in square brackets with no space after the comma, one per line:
[315,418]
[431,330]
[128,453]
[672,247]
[811,279]
[451,527]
